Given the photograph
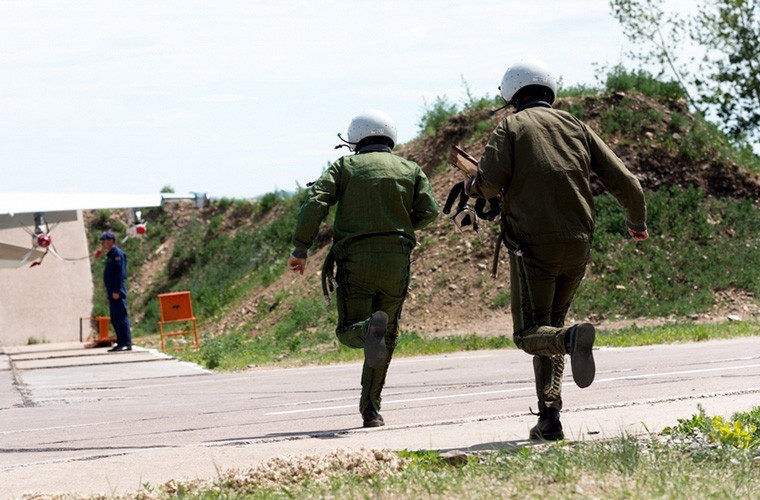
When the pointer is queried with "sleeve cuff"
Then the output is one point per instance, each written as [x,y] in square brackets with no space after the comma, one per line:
[299,253]
[639,228]
[468,185]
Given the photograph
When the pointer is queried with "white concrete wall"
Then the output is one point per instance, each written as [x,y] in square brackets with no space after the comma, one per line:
[46,302]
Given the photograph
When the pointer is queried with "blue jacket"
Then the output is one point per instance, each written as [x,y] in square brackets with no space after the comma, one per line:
[115,272]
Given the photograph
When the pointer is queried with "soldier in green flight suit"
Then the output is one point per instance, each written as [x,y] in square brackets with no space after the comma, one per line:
[381,200]
[540,160]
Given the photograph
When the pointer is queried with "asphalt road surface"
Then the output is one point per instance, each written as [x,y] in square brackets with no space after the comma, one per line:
[86,421]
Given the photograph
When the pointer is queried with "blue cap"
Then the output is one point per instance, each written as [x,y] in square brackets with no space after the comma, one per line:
[108,235]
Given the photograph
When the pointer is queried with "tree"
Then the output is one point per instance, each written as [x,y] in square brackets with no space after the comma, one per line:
[724,77]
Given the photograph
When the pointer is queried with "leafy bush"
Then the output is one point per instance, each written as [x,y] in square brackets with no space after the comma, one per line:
[619,79]
[577,90]
[435,116]
[741,431]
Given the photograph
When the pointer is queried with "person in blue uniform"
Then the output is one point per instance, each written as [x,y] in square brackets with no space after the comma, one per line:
[115,280]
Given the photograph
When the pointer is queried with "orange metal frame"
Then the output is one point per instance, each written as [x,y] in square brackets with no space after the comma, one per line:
[101,326]
[177,307]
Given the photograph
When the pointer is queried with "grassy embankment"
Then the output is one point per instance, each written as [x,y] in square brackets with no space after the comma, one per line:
[700,246]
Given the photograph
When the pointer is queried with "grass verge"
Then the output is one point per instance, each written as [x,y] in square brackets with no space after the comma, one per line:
[698,458]
[292,344]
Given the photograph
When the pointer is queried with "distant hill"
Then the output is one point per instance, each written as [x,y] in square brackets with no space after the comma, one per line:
[702,262]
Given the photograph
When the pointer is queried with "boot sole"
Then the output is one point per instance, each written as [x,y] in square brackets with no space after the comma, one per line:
[582,358]
[375,352]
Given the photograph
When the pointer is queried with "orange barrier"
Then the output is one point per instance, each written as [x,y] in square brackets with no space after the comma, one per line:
[177,307]
[99,325]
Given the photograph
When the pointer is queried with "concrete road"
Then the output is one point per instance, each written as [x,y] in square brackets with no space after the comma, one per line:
[86,421]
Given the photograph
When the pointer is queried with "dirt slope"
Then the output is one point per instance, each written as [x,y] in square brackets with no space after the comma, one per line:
[452,292]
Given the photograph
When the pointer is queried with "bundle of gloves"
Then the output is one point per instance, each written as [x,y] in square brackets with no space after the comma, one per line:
[466,217]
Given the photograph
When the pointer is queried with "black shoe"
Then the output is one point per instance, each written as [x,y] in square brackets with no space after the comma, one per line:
[375,352]
[580,347]
[120,348]
[372,418]
[548,428]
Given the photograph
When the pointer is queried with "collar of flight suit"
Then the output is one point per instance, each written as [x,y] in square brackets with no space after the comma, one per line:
[534,102]
[374,148]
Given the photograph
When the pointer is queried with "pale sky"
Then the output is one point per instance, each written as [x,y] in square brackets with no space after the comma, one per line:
[239,98]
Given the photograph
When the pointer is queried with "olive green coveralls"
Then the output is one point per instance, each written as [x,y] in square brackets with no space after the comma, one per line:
[381,199]
[541,160]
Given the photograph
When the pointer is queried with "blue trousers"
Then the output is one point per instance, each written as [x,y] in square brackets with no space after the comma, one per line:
[120,320]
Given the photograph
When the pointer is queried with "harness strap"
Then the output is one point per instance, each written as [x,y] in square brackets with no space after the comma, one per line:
[328,276]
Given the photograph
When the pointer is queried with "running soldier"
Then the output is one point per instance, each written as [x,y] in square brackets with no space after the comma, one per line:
[381,200]
[540,160]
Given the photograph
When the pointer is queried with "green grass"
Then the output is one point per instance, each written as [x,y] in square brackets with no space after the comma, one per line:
[698,246]
[216,266]
[701,457]
[620,79]
[301,340]
[676,333]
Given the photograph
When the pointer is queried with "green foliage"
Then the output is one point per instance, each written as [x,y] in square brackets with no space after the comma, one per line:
[629,121]
[213,351]
[701,141]
[574,107]
[698,246]
[619,79]
[435,116]
[741,431]
[482,128]
[268,201]
[729,77]
[307,336]
[724,35]
[101,221]
[479,103]
[213,268]
[622,467]
[577,90]
[674,333]
[500,301]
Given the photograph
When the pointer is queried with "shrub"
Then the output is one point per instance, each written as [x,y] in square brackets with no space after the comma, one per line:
[619,79]
[435,116]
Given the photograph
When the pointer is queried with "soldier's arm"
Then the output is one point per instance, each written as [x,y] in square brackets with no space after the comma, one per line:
[494,167]
[425,209]
[323,194]
[620,182]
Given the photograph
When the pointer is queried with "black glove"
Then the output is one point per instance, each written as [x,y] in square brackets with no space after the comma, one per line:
[464,215]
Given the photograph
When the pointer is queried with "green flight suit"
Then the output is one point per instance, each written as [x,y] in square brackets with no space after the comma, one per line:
[381,199]
[541,160]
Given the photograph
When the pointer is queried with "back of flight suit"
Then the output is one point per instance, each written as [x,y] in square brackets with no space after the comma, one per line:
[381,199]
[542,159]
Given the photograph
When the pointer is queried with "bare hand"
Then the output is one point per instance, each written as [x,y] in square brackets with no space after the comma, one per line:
[296,265]
[115,295]
[639,235]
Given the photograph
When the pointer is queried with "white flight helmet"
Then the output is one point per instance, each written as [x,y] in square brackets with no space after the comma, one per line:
[524,73]
[371,122]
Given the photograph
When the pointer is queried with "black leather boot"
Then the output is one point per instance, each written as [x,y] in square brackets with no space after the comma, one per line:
[371,417]
[548,428]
